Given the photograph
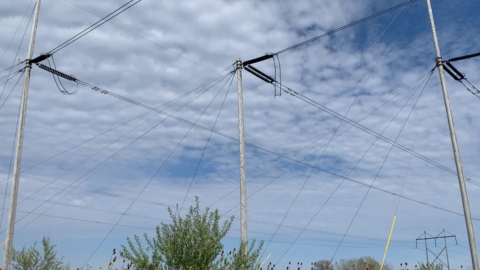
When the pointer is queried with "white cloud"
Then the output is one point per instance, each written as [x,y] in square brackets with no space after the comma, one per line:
[213,34]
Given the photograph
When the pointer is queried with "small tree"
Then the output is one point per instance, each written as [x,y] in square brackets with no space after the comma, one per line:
[363,263]
[423,266]
[322,265]
[33,259]
[245,258]
[193,242]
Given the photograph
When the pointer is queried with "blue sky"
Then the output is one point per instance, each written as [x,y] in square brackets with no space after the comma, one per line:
[158,51]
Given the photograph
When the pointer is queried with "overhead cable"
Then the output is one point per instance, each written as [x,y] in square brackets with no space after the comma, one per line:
[15,33]
[213,79]
[94,26]
[329,33]
[14,86]
[103,91]
[350,171]
[379,170]
[205,147]
[376,108]
[153,176]
[369,131]
[18,48]
[100,165]
[170,104]
[336,129]
[144,38]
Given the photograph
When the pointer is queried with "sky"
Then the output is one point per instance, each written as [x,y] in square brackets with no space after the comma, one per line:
[96,169]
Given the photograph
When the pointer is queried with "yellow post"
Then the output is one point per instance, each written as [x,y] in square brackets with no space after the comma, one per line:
[4,243]
[264,261]
[388,242]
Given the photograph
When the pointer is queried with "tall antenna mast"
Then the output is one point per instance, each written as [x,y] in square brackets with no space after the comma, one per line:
[19,147]
[456,151]
[243,181]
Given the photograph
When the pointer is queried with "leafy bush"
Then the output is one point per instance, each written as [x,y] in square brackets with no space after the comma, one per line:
[33,259]
[192,242]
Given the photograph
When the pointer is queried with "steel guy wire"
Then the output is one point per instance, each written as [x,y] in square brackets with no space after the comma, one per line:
[144,38]
[14,86]
[346,26]
[259,147]
[102,164]
[10,75]
[149,217]
[7,69]
[351,170]
[458,18]
[103,148]
[379,170]
[410,157]
[308,156]
[100,90]
[155,174]
[370,74]
[122,124]
[335,131]
[115,195]
[148,228]
[139,216]
[11,162]
[89,208]
[369,131]
[205,148]
[52,182]
[290,91]
[15,33]
[94,26]
[18,49]
[309,145]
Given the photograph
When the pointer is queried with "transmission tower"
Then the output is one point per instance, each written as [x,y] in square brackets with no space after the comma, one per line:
[443,235]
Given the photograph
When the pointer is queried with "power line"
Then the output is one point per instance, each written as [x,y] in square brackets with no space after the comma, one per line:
[152,229]
[94,26]
[155,174]
[122,124]
[10,165]
[142,37]
[152,202]
[353,168]
[102,164]
[14,86]
[15,33]
[379,170]
[108,145]
[103,91]
[458,18]
[165,205]
[334,133]
[410,158]
[383,52]
[291,167]
[329,33]
[346,26]
[371,132]
[205,148]
[309,145]
[19,45]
